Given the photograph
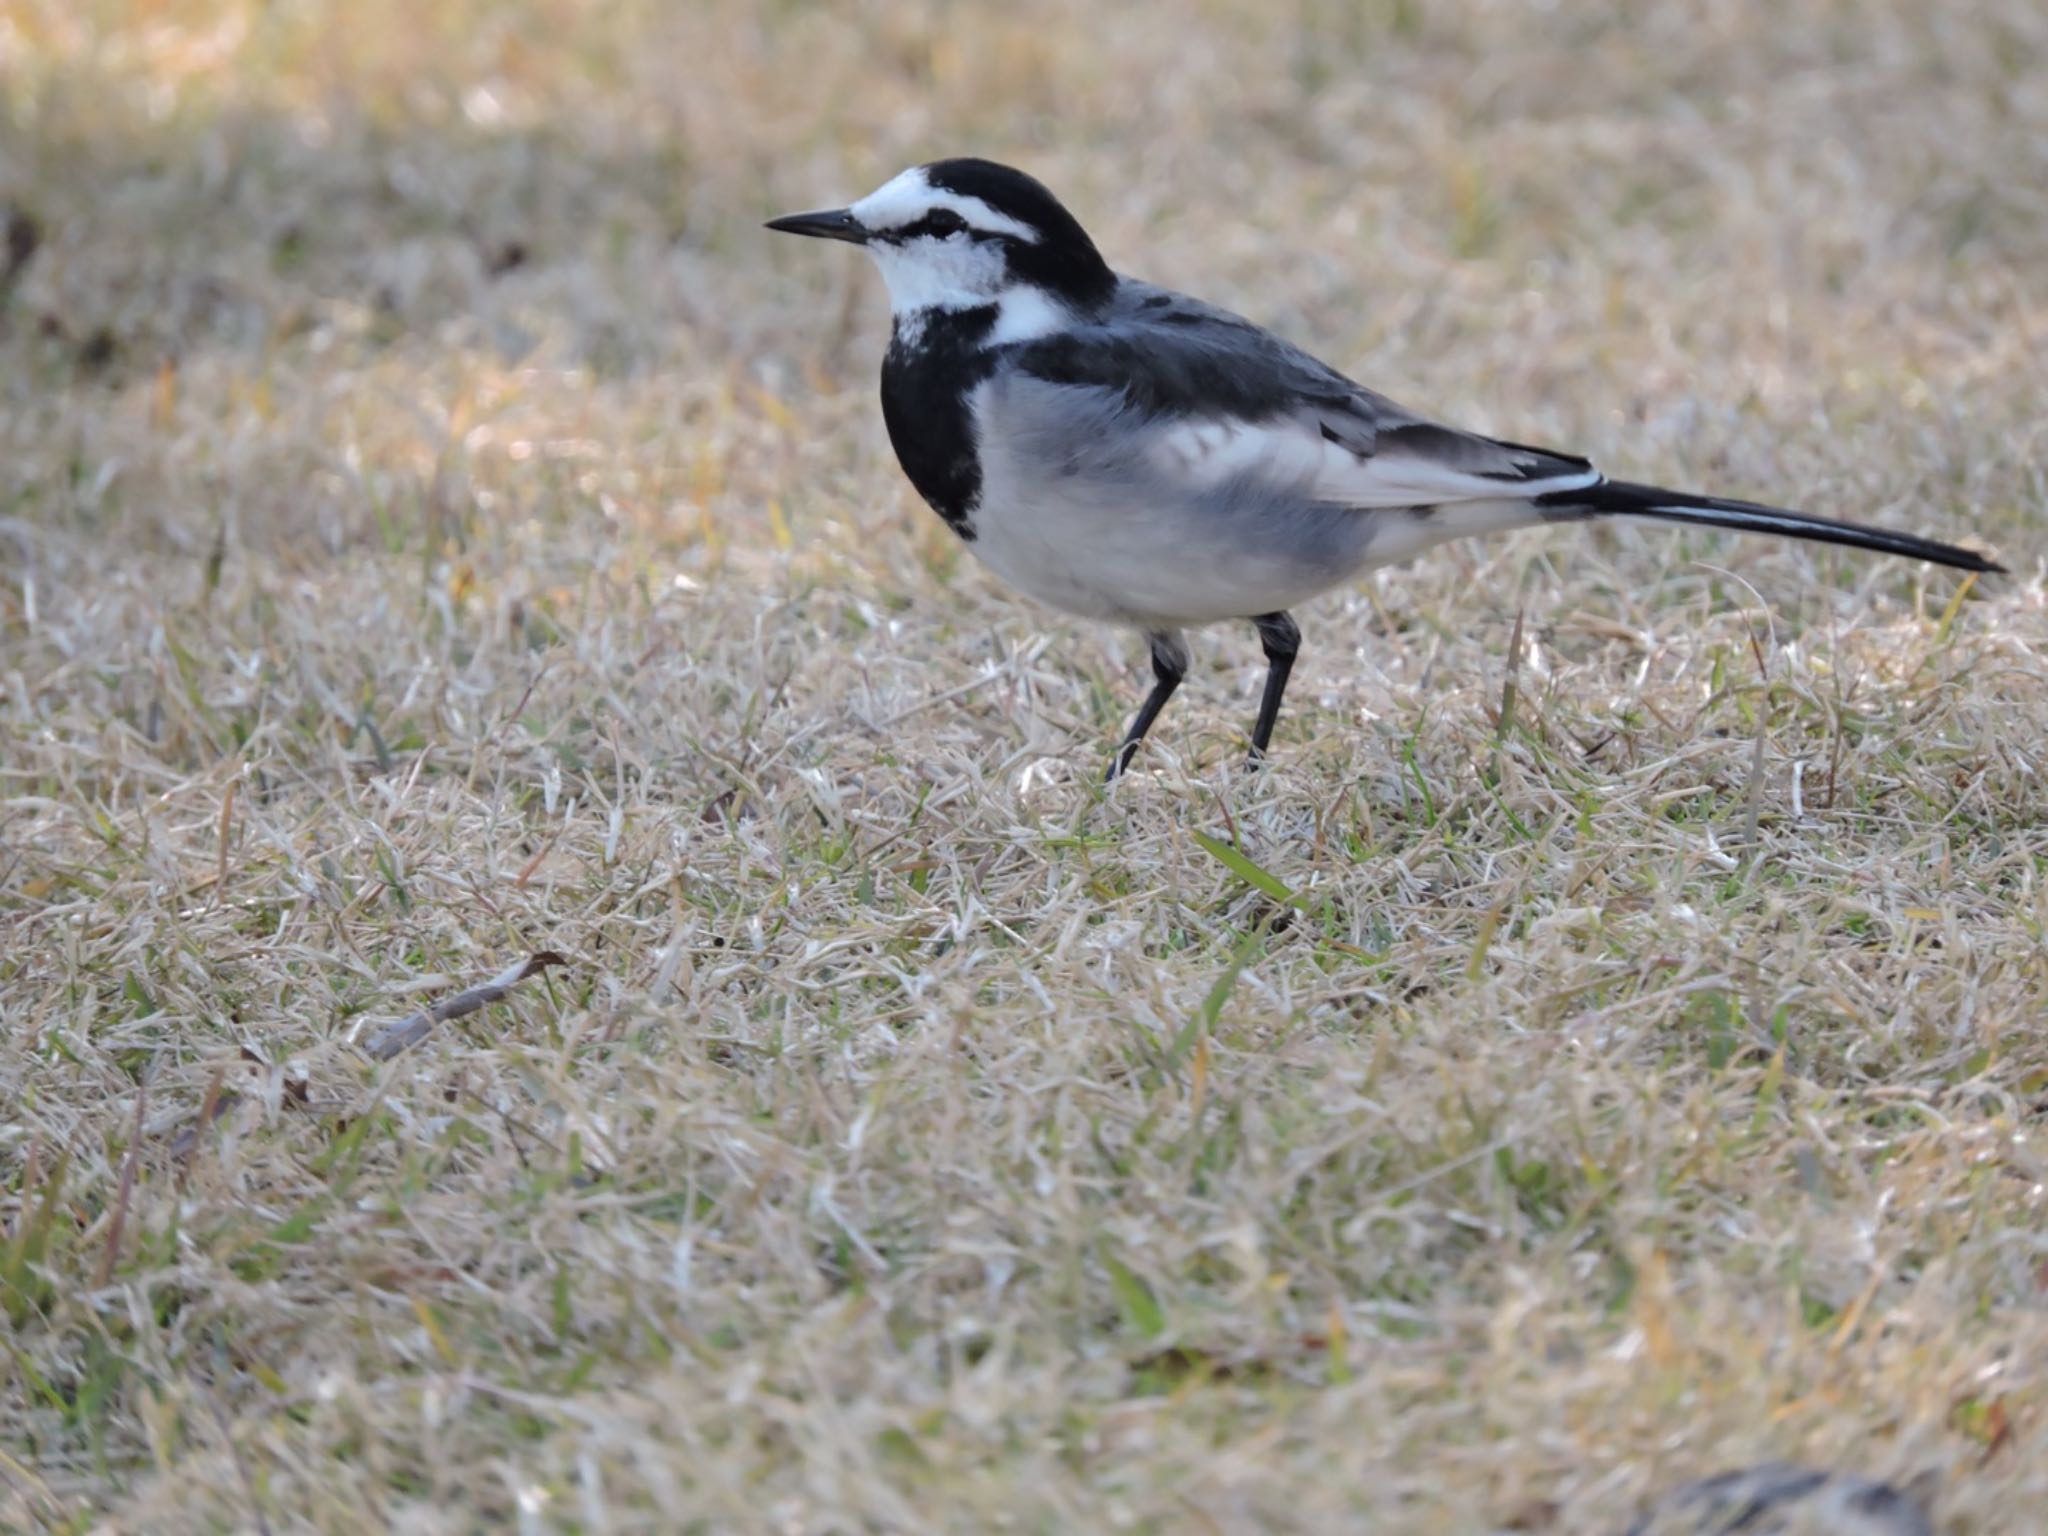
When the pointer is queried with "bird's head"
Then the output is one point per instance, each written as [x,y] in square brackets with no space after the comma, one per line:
[969,234]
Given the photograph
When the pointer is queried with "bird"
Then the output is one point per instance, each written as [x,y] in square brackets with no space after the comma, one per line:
[1124,452]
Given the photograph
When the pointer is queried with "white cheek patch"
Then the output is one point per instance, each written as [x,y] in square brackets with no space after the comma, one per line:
[954,273]
[909,197]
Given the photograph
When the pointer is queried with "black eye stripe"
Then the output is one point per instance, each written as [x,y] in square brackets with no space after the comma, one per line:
[940,222]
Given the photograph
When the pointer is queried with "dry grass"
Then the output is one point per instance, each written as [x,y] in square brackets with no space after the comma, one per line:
[440,527]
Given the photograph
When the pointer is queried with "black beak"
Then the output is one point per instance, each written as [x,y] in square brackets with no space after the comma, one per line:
[827,224]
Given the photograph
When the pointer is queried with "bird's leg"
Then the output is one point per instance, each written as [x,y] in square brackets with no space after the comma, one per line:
[1169,666]
[1282,639]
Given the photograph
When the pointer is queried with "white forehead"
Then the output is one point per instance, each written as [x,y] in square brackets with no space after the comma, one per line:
[909,197]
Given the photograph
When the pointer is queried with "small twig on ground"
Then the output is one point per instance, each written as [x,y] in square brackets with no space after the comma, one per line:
[408,1032]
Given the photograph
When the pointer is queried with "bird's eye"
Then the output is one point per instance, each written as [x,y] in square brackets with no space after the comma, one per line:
[943,222]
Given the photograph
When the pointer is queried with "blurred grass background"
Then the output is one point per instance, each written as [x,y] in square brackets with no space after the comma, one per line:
[438,525]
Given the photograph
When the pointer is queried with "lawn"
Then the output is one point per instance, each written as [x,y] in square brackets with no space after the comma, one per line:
[438,526]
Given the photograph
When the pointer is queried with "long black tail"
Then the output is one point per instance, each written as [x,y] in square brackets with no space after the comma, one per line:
[1619,498]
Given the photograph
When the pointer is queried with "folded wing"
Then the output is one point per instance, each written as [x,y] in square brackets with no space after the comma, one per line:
[1220,401]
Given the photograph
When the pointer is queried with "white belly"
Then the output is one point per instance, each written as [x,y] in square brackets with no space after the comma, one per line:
[1155,566]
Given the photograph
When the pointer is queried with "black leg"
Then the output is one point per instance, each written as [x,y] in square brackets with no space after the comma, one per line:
[1282,640]
[1169,666]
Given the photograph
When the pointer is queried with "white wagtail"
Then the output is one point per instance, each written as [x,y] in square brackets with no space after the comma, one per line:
[1128,453]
